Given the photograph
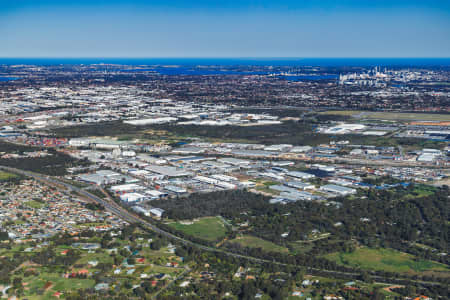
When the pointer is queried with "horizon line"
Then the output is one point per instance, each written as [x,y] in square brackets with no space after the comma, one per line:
[224,57]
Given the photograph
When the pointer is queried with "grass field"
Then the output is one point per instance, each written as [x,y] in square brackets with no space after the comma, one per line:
[34,204]
[208,228]
[390,115]
[58,284]
[297,247]
[161,269]
[101,257]
[421,190]
[385,259]
[255,242]
[6,176]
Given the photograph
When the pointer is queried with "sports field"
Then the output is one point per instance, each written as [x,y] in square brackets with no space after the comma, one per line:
[208,228]
[386,260]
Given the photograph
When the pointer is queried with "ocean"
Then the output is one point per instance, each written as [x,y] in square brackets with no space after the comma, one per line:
[2,78]
[293,62]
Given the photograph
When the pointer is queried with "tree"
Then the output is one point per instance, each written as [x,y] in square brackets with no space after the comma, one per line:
[155,244]
[4,236]
[127,285]
[17,282]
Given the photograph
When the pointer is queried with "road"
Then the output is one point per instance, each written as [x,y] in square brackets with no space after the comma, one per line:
[127,216]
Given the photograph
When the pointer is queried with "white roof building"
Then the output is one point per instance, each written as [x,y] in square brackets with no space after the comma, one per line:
[301,149]
[158,212]
[206,180]
[234,161]
[155,193]
[344,128]
[161,120]
[278,148]
[224,177]
[337,189]
[133,197]
[167,171]
[226,185]
[195,150]
[302,175]
[127,188]
[129,153]
[140,209]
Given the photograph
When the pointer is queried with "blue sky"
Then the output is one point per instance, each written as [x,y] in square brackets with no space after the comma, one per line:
[176,28]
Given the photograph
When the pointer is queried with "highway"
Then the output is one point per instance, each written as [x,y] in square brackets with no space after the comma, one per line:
[132,218]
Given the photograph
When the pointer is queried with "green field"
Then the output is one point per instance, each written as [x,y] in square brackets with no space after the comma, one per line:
[421,190]
[101,257]
[58,284]
[298,247]
[34,204]
[161,269]
[255,242]
[4,176]
[386,260]
[208,228]
[390,115]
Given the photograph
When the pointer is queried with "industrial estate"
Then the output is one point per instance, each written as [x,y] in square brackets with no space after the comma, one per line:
[224,182]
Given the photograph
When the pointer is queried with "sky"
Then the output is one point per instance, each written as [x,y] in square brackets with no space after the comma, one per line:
[221,28]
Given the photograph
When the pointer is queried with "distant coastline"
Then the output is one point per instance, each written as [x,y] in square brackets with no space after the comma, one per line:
[319,62]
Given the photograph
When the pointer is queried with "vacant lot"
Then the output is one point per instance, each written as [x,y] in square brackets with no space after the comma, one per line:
[256,242]
[208,228]
[385,259]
